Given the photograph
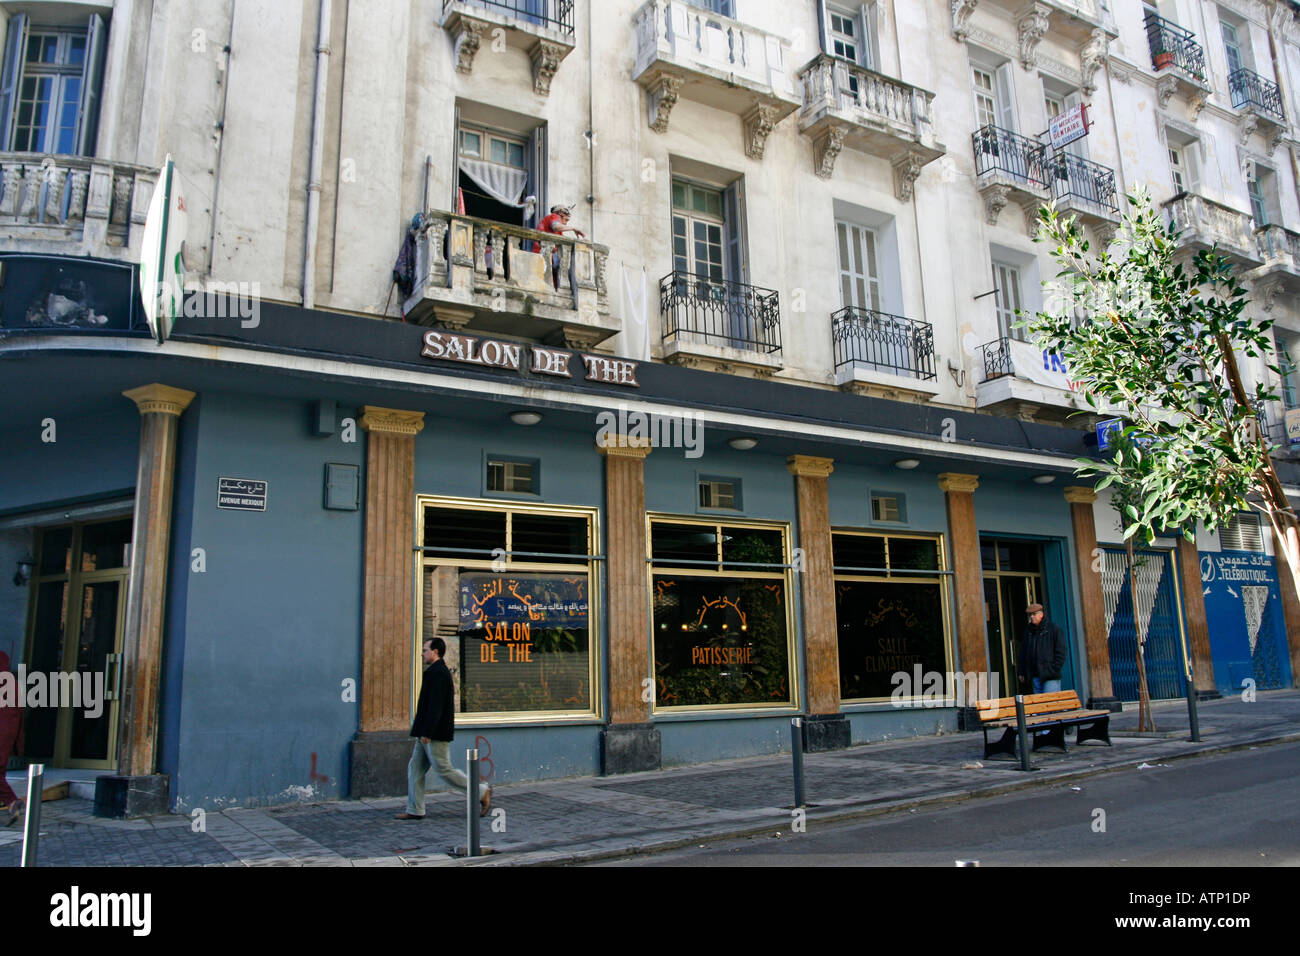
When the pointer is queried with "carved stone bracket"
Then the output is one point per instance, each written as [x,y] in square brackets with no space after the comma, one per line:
[1103,233]
[468,38]
[546,57]
[1030,205]
[1166,87]
[961,14]
[995,200]
[758,123]
[663,95]
[1031,22]
[826,147]
[1247,123]
[906,169]
[582,339]
[1198,99]
[1092,56]
[1266,292]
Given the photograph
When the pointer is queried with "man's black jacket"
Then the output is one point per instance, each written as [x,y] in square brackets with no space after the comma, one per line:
[433,712]
[1042,651]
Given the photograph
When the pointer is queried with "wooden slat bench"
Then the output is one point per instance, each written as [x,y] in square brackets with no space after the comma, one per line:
[1043,712]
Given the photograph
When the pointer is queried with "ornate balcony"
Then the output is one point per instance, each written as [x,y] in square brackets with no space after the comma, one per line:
[73,205]
[1086,190]
[1022,381]
[1206,223]
[844,104]
[684,51]
[720,325]
[889,356]
[1073,21]
[1009,168]
[486,276]
[1178,59]
[543,29]
[1260,103]
[1280,250]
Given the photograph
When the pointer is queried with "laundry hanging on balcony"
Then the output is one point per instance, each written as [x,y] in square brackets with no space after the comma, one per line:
[502,183]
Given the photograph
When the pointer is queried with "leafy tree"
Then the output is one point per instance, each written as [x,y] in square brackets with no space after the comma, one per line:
[1155,338]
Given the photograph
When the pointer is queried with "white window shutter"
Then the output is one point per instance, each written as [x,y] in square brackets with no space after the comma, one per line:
[91,80]
[537,172]
[15,44]
[867,47]
[1192,166]
[1006,97]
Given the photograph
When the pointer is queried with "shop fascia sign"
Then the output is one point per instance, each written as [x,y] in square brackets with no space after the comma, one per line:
[521,357]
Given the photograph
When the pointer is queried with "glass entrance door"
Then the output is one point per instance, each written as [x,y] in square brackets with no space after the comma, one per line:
[1013,579]
[78,614]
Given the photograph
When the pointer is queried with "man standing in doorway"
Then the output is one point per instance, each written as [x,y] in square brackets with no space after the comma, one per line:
[433,729]
[1042,652]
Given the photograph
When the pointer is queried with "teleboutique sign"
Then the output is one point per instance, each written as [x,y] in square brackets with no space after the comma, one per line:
[492,353]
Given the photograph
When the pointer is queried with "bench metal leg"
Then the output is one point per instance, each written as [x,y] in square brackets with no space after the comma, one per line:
[1099,729]
[1007,745]
[1051,737]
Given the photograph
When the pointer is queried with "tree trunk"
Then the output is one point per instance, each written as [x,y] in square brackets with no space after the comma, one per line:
[1144,696]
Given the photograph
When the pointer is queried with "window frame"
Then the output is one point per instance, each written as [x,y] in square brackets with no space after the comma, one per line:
[941,577]
[595,609]
[793,702]
[489,459]
[737,494]
[15,71]
[855,236]
[1005,311]
[900,501]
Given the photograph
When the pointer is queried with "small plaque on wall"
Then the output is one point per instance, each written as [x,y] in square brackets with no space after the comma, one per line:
[241,494]
[342,487]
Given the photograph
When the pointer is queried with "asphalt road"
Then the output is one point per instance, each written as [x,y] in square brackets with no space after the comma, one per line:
[1235,809]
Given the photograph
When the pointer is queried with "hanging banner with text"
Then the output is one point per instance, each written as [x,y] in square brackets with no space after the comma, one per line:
[1039,365]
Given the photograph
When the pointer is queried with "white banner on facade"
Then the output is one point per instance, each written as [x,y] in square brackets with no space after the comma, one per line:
[1039,365]
[1068,126]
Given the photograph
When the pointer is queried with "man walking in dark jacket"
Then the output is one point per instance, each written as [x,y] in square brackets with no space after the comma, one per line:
[1042,652]
[433,729]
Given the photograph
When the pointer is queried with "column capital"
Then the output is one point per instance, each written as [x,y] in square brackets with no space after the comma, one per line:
[160,398]
[1080,495]
[391,421]
[806,466]
[953,481]
[623,446]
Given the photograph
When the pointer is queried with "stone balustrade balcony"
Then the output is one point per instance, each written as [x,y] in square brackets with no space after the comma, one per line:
[849,105]
[1205,223]
[686,52]
[492,277]
[73,205]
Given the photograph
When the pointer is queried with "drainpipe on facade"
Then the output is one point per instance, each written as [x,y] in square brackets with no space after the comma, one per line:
[221,140]
[591,121]
[317,156]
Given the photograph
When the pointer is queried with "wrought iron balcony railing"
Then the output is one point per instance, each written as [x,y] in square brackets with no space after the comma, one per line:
[718,312]
[1075,178]
[883,342]
[552,14]
[997,359]
[1000,150]
[1250,89]
[1171,45]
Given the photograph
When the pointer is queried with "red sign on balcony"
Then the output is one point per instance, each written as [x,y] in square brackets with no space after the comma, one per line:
[1068,126]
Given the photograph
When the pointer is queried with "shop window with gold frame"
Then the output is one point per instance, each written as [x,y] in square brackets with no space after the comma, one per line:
[891,611]
[721,614]
[510,589]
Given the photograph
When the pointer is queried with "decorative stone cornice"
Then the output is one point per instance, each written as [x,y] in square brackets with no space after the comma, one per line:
[951,482]
[906,169]
[663,95]
[1079,495]
[623,446]
[1031,22]
[826,148]
[807,466]
[160,399]
[758,123]
[468,38]
[546,57]
[391,421]
[961,14]
[1092,56]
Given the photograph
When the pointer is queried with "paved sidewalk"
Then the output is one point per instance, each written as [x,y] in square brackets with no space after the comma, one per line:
[593,818]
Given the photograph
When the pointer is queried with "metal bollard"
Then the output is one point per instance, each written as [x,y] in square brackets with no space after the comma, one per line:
[796,750]
[1193,718]
[471,804]
[32,825]
[1022,732]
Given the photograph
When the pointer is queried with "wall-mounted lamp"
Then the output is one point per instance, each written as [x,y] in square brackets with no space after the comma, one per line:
[525,418]
[907,464]
[1043,479]
[742,444]
[24,572]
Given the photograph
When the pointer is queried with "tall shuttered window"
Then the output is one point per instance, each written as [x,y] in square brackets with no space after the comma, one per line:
[49,86]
